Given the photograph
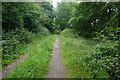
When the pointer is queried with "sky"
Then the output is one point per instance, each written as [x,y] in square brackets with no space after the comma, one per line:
[55,3]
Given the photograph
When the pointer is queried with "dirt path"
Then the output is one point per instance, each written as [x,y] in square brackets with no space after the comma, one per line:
[57,69]
[11,66]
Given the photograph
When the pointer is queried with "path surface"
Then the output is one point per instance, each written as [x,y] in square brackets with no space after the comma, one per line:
[11,66]
[57,69]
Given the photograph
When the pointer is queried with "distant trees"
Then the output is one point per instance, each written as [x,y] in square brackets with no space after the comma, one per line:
[49,13]
[63,14]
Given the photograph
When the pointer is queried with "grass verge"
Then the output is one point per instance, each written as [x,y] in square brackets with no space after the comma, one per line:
[17,42]
[36,63]
[74,50]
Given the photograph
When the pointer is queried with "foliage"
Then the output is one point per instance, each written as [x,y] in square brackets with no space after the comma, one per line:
[28,15]
[49,13]
[102,21]
[16,41]
[110,49]
[74,51]
[63,13]
[9,21]
[106,56]
[25,22]
[36,63]
[84,18]
[89,18]
[22,23]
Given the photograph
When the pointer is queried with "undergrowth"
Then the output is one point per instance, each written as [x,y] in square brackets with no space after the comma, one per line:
[36,63]
[16,42]
[74,51]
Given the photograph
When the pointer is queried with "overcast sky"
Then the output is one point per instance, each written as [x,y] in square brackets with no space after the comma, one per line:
[55,3]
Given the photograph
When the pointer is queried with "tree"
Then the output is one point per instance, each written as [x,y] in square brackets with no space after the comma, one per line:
[63,13]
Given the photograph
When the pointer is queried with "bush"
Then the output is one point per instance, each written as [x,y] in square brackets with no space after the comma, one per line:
[9,49]
[11,43]
[106,57]
[22,23]
[106,54]
[25,36]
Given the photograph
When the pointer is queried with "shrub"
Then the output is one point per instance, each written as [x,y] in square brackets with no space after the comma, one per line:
[106,57]
[12,41]
[25,36]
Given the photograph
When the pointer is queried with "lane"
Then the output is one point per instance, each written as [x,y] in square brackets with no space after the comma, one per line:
[57,69]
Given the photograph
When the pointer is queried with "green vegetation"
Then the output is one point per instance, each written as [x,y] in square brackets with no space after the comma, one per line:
[19,32]
[63,13]
[75,49]
[99,21]
[36,63]
[89,32]
[13,48]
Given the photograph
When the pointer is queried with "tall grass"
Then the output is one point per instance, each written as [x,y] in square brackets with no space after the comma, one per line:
[74,50]
[36,63]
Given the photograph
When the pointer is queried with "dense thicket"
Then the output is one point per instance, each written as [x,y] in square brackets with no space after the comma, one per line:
[22,22]
[101,21]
